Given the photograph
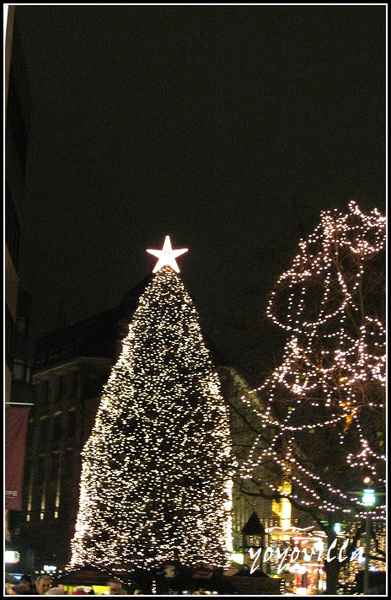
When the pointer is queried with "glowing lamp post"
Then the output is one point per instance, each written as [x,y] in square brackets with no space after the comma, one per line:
[369,499]
[337,528]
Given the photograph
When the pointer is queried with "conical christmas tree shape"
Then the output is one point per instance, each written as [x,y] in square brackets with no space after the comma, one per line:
[157,469]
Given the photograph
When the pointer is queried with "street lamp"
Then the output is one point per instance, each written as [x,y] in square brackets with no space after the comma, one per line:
[337,528]
[254,539]
[369,499]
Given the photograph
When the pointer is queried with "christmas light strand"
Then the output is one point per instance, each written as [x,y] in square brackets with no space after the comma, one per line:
[333,371]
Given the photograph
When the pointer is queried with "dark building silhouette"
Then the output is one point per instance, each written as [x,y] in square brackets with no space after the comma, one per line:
[17,121]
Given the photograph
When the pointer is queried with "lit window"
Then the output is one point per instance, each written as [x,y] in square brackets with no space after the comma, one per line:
[19,370]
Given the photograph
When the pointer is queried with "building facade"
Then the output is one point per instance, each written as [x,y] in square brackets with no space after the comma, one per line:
[17,121]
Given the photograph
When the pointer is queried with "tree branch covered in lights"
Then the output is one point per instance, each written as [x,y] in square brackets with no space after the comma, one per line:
[157,469]
[322,427]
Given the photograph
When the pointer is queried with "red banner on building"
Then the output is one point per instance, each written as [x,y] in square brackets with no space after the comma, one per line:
[16,420]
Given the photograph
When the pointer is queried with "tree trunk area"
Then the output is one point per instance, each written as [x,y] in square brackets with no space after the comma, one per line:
[332,573]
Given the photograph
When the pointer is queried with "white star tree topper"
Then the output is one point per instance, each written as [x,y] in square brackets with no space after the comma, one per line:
[167,255]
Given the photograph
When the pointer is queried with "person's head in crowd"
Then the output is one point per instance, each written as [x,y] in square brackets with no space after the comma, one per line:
[26,581]
[43,584]
[116,588]
[19,590]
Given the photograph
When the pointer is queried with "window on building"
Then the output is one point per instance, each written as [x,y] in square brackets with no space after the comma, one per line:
[43,506]
[55,466]
[36,501]
[71,423]
[57,427]
[47,387]
[19,370]
[43,430]
[73,384]
[69,460]
[40,473]
[26,502]
[60,387]
[27,472]
[30,434]
[51,501]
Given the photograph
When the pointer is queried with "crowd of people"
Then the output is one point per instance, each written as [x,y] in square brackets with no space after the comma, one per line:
[162,582]
[43,586]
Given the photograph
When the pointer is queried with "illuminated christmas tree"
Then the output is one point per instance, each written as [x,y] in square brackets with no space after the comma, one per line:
[322,426]
[157,469]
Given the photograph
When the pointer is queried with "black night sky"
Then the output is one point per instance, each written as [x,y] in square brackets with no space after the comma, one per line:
[227,127]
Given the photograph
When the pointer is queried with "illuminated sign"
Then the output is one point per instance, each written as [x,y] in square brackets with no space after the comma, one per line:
[11,557]
[49,568]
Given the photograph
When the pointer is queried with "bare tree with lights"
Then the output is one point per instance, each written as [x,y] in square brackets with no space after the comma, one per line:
[157,469]
[322,426]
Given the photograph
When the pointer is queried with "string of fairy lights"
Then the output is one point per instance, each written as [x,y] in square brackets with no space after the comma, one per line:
[157,469]
[334,349]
